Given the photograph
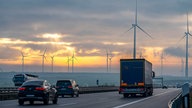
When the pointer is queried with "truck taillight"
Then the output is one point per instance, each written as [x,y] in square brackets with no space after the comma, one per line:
[120,89]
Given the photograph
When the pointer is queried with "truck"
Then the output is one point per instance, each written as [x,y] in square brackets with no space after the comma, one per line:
[136,77]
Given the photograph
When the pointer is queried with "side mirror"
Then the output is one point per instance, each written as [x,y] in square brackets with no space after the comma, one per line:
[153,74]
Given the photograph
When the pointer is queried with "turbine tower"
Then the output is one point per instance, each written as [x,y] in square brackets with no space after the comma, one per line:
[110,60]
[162,57]
[52,61]
[135,26]
[187,34]
[73,58]
[68,61]
[43,57]
[23,60]
[107,60]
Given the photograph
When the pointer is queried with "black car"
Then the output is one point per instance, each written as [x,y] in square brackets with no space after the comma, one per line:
[37,90]
[67,87]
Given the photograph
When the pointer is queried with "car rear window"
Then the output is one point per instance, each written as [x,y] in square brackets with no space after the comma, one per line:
[38,83]
[63,83]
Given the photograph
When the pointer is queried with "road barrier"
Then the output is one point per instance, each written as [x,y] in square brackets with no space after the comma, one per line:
[182,100]
[176,102]
[8,93]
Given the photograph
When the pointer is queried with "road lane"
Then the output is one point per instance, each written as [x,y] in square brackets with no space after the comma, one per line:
[103,100]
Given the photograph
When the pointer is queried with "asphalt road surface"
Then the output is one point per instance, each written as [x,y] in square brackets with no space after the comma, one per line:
[159,99]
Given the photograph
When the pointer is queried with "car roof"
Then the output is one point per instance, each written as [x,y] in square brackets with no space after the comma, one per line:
[65,80]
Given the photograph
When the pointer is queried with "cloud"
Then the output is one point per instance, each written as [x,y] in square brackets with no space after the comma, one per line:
[175,51]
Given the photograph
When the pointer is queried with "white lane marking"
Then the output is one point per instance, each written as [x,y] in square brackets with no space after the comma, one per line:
[67,104]
[127,104]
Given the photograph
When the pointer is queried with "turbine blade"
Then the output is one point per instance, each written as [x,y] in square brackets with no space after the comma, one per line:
[181,39]
[21,53]
[190,34]
[187,23]
[144,32]
[45,51]
[126,31]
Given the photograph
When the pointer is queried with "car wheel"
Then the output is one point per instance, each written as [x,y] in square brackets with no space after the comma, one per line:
[31,102]
[46,101]
[55,100]
[72,95]
[63,96]
[77,95]
[21,102]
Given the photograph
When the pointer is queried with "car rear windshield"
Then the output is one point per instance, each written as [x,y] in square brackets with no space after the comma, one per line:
[38,83]
[63,83]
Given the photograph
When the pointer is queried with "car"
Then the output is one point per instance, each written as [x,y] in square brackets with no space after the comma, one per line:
[165,87]
[67,87]
[37,90]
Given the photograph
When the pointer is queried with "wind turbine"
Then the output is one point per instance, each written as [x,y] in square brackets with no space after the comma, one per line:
[187,34]
[43,57]
[23,60]
[68,61]
[73,58]
[135,26]
[182,65]
[52,61]
[110,60]
[162,57]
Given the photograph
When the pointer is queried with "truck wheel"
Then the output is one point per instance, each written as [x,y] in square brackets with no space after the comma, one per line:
[144,94]
[125,95]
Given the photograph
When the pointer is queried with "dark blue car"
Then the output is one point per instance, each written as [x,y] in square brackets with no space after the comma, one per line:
[67,87]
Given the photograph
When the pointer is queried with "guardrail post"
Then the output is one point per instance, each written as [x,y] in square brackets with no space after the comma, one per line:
[185,95]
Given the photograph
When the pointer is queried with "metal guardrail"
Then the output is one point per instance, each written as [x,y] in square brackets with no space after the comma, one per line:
[7,93]
[176,102]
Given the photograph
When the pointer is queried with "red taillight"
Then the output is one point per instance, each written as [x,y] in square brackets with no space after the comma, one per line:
[40,88]
[120,89]
[21,88]
[70,87]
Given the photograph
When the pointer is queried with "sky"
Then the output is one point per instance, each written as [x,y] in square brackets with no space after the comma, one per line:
[90,28]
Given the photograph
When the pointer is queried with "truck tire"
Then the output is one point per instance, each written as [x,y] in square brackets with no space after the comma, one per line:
[125,95]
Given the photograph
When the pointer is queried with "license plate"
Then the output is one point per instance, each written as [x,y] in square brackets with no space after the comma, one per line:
[63,88]
[30,95]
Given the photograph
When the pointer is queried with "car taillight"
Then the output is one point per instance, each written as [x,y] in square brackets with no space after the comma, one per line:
[70,87]
[21,88]
[39,88]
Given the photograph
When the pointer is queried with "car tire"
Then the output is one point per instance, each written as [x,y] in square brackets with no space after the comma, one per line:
[77,95]
[21,102]
[63,96]
[31,102]
[72,95]
[46,101]
[55,100]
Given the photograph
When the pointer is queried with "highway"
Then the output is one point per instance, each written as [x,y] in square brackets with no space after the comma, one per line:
[159,99]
